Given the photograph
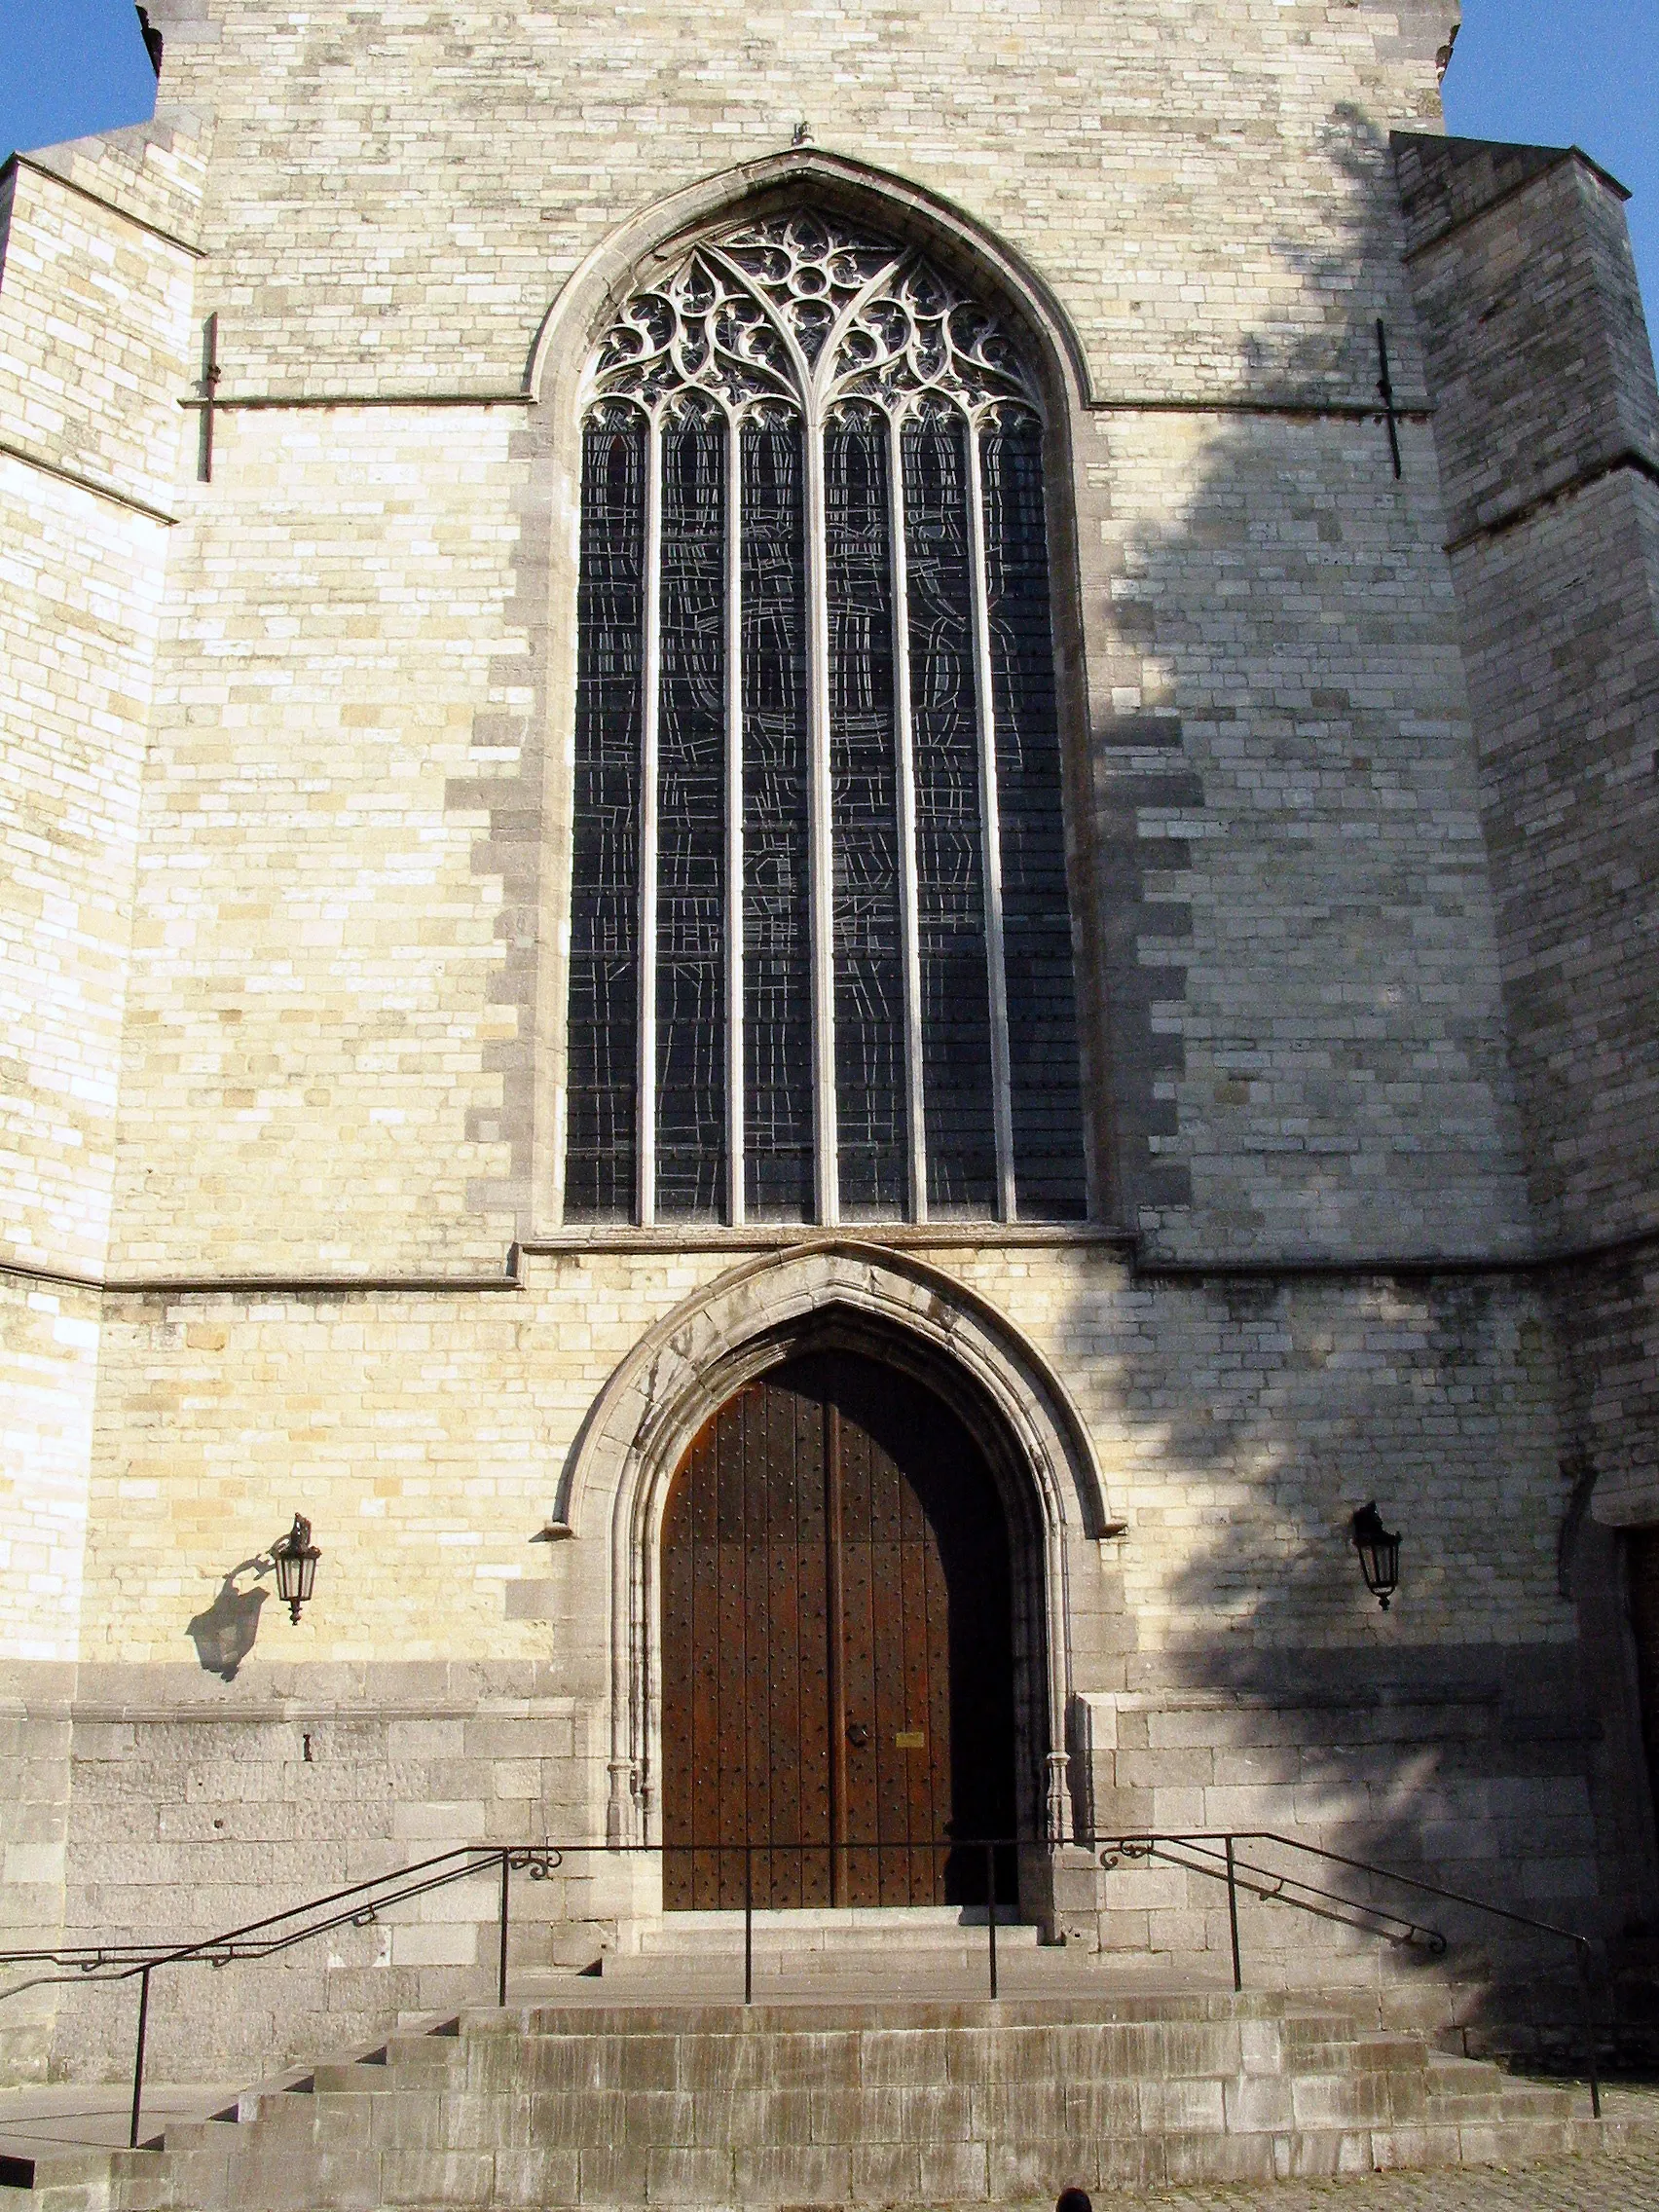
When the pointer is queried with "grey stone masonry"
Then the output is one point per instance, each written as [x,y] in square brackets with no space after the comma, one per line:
[396,198]
[1548,437]
[569,2103]
[1532,321]
[1359,856]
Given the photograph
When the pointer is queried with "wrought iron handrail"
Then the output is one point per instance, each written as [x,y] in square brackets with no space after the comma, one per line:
[359,1904]
[1215,1853]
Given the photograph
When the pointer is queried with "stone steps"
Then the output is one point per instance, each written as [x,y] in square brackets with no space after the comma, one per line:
[853,1928]
[832,2103]
[796,1944]
[866,1952]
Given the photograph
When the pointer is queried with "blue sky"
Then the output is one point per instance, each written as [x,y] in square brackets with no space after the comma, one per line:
[1548,72]
[1569,73]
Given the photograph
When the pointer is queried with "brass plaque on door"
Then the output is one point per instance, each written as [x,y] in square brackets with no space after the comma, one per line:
[910,1739]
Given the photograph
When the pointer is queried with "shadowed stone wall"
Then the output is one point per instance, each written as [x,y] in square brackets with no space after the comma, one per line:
[1549,448]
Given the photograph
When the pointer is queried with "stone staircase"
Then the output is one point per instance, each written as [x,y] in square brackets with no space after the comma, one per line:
[862,1950]
[597,2098]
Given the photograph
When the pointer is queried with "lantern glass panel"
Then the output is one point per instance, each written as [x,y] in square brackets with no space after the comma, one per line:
[1378,1550]
[294,1559]
[296,1576]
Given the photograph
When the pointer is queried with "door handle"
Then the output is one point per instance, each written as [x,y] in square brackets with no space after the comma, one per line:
[858,1735]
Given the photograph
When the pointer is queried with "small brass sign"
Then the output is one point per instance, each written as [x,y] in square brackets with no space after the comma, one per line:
[910,1739]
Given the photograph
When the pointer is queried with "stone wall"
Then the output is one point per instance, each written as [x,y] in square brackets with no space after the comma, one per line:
[94,329]
[317,765]
[1235,1428]
[35,1705]
[95,280]
[319,935]
[392,208]
[1472,1773]
[1549,448]
[203,1805]
[345,931]
[1298,955]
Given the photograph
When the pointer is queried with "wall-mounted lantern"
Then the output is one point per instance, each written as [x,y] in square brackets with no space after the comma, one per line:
[295,1557]
[1378,1554]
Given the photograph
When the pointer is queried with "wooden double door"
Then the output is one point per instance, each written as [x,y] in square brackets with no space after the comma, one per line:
[837,1651]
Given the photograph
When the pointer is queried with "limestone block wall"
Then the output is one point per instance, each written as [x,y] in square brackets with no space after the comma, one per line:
[93,333]
[1521,269]
[1567,676]
[78,628]
[100,260]
[1549,447]
[1299,956]
[1171,172]
[426,1434]
[50,1336]
[322,939]
[96,268]
[207,1804]
[35,1703]
[1473,1781]
[1294,968]
[1235,1428]
[338,1004]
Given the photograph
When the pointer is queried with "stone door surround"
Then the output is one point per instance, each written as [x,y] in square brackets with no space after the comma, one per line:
[835,1292]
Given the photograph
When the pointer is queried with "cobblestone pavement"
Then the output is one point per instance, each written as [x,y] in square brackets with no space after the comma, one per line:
[1627,2179]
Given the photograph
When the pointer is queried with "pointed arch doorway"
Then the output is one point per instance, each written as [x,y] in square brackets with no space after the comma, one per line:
[838,1662]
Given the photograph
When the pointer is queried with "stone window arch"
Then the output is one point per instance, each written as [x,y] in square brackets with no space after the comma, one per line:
[820,959]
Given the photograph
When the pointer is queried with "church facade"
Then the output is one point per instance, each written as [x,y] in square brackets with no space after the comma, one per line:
[831,876]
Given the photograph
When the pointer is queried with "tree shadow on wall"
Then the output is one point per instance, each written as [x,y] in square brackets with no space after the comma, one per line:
[224,1632]
[1302,1062]
[1279,955]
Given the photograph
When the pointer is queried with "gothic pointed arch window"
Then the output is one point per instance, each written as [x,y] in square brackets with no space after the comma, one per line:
[819,958]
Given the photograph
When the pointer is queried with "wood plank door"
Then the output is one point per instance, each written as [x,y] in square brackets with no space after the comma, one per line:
[837,1658]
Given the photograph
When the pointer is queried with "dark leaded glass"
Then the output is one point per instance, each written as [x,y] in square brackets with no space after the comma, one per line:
[951,892]
[870,1043]
[803,329]
[605,970]
[1042,1052]
[777,952]
[690,964]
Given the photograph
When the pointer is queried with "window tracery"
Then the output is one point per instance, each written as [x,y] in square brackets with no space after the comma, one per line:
[825,968]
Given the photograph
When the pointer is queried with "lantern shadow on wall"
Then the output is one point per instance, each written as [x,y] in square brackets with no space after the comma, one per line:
[224,1633]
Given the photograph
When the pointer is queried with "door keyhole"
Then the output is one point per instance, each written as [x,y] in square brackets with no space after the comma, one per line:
[858,1735]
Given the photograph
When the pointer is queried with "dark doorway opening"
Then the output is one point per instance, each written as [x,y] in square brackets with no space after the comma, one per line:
[837,1648]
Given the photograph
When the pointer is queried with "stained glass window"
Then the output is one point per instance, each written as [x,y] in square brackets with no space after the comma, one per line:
[604,893]
[777,912]
[951,887]
[1036,948]
[690,914]
[863,818]
[819,879]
